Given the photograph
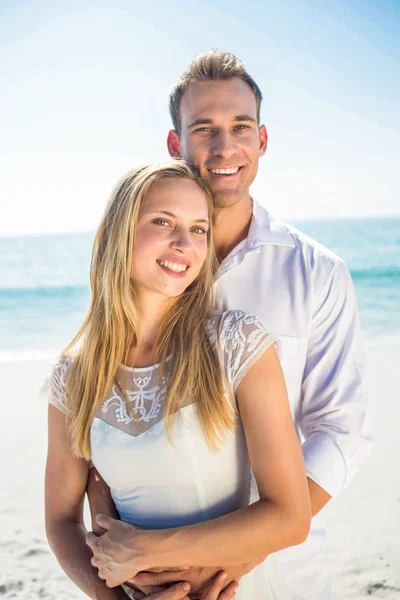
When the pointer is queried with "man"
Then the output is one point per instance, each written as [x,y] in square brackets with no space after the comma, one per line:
[301,291]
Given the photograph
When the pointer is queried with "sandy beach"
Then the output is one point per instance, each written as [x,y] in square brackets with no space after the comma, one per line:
[364,522]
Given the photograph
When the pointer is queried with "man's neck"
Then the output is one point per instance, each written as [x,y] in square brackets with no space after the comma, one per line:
[231,226]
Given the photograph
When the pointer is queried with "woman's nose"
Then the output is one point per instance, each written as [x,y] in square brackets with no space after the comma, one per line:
[181,239]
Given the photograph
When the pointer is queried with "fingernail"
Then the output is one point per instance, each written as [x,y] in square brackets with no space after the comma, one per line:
[99,517]
[224,576]
[186,586]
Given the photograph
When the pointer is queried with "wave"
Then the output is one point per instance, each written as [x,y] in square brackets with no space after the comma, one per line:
[48,290]
[390,274]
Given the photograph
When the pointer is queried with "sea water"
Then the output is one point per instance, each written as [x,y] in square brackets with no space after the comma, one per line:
[44,283]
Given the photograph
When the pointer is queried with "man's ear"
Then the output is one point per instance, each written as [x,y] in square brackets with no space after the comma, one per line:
[263,140]
[173,144]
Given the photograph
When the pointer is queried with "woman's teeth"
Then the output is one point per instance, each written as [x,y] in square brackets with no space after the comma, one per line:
[177,267]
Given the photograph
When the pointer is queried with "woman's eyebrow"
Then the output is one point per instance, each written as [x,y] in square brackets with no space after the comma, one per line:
[170,214]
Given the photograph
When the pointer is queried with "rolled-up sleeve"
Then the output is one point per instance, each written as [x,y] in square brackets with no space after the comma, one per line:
[336,419]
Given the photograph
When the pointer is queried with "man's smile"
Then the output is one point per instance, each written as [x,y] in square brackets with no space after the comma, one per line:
[225,171]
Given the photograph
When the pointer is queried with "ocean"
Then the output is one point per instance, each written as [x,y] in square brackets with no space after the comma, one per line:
[44,290]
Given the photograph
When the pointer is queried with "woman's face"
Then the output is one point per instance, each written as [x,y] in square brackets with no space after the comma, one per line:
[171,237]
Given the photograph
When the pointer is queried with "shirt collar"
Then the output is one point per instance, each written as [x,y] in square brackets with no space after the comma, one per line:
[265,229]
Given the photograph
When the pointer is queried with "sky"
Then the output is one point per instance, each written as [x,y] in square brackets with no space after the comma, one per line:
[84,97]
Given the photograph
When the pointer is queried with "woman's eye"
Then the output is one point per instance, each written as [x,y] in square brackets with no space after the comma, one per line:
[198,230]
[160,222]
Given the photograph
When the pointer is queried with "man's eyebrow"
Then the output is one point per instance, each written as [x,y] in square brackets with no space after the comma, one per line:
[170,214]
[200,122]
[245,118]
[238,118]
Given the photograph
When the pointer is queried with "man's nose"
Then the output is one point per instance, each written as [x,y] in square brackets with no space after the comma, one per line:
[224,144]
[181,239]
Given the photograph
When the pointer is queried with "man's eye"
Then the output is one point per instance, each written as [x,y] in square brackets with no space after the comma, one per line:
[242,127]
[201,129]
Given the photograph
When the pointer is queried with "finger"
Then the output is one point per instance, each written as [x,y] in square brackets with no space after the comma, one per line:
[229,592]
[146,589]
[138,594]
[104,521]
[176,592]
[162,569]
[216,587]
[91,539]
[147,578]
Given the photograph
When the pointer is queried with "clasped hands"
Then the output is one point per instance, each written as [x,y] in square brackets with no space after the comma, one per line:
[118,561]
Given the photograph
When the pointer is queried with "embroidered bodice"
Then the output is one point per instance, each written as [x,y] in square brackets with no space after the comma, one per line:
[241,339]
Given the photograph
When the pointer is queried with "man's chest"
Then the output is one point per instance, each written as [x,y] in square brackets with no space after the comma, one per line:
[279,294]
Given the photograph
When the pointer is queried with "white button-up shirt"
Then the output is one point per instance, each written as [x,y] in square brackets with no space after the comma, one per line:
[304,295]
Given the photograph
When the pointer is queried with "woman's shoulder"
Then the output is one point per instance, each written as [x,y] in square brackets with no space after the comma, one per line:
[234,321]
[54,387]
[242,339]
[235,327]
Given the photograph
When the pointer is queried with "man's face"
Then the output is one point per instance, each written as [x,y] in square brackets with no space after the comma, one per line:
[220,136]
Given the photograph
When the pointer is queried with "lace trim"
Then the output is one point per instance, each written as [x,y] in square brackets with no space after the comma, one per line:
[241,340]
[145,404]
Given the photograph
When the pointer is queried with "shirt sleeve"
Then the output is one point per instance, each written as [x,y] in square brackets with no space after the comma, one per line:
[54,386]
[336,420]
[243,340]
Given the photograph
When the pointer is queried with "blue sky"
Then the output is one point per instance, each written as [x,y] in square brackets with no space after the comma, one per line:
[84,86]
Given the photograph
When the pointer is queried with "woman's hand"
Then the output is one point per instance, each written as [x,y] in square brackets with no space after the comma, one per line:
[200,578]
[118,554]
[114,555]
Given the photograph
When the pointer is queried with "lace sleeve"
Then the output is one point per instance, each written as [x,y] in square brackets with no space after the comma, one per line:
[243,340]
[54,386]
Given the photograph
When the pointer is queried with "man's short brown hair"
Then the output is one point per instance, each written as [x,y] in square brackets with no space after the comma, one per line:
[213,65]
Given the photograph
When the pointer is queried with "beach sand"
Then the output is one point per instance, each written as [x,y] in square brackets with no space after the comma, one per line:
[364,522]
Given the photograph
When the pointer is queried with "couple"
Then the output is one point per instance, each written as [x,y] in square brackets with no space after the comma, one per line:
[197,385]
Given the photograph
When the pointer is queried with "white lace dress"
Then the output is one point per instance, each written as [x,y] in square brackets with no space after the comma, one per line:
[157,484]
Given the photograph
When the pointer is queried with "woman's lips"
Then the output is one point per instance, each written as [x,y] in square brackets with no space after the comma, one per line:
[174,268]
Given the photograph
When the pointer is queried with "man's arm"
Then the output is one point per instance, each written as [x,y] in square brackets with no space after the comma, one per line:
[335,418]
[100,500]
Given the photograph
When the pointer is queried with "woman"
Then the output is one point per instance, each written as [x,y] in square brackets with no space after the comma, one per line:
[172,401]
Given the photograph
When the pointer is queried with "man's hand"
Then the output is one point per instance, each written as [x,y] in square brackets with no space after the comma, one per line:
[199,578]
[180,591]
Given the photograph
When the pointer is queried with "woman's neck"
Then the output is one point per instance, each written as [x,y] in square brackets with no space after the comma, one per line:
[152,309]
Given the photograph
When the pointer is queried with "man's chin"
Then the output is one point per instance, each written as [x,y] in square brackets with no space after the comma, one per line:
[226,199]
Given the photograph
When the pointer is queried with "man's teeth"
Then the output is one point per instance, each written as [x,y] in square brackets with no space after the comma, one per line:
[231,171]
[177,267]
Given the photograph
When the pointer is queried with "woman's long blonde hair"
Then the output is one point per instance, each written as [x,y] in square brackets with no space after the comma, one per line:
[112,324]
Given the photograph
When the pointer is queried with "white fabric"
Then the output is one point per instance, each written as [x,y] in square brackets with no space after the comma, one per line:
[304,295]
[157,484]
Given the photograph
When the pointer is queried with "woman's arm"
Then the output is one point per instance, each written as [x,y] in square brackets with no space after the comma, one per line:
[279,519]
[65,487]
